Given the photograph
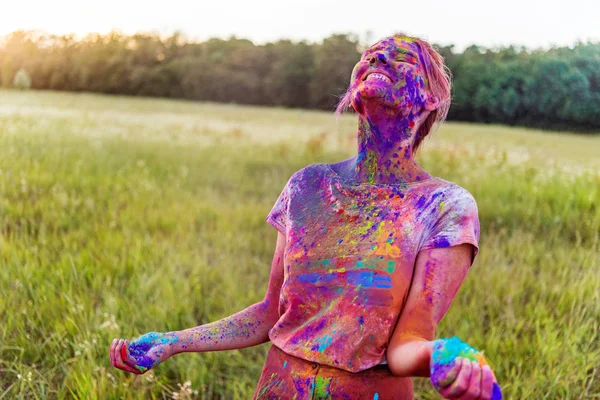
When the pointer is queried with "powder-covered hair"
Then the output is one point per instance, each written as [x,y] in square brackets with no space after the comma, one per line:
[439,81]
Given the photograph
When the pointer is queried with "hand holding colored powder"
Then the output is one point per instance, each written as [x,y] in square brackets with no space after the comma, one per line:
[149,350]
[457,368]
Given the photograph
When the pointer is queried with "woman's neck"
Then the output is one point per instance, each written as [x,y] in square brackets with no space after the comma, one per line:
[385,152]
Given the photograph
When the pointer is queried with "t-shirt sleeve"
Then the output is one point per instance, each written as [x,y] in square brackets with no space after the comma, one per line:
[278,216]
[458,223]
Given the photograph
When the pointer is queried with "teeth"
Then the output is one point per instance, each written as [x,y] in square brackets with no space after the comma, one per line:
[381,77]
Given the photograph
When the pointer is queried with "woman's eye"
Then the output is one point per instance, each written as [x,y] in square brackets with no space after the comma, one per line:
[407,59]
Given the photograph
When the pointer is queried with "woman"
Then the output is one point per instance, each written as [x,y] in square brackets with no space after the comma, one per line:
[370,253]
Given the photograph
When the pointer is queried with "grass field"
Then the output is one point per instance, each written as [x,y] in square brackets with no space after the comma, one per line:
[120,216]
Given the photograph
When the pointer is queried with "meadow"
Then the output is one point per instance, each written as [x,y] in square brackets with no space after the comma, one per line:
[120,216]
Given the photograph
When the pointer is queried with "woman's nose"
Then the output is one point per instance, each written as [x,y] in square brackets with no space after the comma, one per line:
[378,57]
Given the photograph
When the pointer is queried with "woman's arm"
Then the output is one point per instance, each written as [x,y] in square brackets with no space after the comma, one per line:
[246,328]
[437,277]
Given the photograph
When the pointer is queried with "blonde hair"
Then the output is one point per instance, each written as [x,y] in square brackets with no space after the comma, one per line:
[439,82]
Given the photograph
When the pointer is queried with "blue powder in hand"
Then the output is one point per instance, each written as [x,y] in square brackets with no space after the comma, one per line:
[139,348]
[445,351]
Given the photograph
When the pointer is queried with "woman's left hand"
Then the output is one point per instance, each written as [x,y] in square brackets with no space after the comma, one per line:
[143,353]
[466,380]
[117,349]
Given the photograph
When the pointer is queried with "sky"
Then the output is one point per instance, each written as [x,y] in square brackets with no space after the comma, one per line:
[490,23]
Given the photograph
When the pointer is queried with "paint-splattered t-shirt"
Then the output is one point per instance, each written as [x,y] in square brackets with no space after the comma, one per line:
[349,259]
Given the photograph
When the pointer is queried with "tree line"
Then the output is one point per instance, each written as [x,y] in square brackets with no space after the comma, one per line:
[557,88]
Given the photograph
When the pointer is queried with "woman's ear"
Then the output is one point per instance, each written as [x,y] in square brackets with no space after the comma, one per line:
[431,103]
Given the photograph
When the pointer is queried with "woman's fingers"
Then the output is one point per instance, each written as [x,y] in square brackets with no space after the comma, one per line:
[443,378]
[487,383]
[125,356]
[474,389]
[461,383]
[119,360]
[112,351]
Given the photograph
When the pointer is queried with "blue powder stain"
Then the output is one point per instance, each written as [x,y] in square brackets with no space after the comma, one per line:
[139,349]
[374,127]
[496,392]
[441,242]
[284,364]
[325,342]
[369,279]
[321,325]
[314,278]
[446,350]
[423,204]
[376,397]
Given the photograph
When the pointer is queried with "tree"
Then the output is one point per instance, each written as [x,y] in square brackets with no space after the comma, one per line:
[334,60]
[288,83]
[555,88]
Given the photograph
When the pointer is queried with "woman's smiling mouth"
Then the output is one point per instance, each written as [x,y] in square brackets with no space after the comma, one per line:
[376,75]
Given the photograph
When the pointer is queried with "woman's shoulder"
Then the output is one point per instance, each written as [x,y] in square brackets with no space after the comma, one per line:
[310,173]
[447,191]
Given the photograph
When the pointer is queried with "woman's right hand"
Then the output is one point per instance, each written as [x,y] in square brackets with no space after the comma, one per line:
[143,353]
[467,380]
[458,371]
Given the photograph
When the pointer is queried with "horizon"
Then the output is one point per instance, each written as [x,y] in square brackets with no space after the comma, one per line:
[360,37]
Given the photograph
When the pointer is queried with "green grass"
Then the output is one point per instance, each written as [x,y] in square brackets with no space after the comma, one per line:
[120,216]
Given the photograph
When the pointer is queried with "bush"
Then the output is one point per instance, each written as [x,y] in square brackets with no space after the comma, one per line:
[22,80]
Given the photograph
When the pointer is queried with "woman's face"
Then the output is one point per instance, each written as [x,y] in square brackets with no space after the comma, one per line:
[390,72]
